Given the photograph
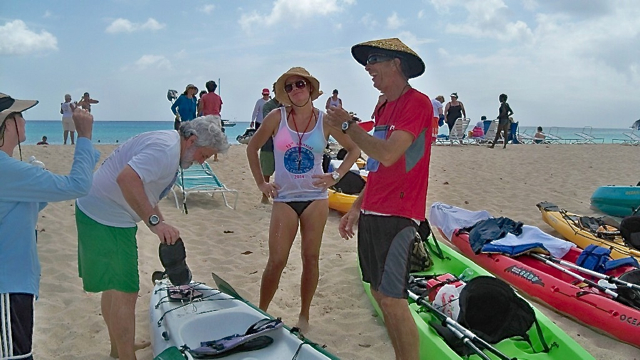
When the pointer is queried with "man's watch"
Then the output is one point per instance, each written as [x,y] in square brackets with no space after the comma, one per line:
[347,124]
[336,176]
[154,220]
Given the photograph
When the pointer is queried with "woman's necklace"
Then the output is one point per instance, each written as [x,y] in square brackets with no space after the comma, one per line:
[301,135]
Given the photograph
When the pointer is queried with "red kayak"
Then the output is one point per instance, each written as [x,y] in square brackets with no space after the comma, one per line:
[558,290]
[366,125]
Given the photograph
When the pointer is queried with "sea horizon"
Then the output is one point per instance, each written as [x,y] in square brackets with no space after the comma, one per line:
[118,131]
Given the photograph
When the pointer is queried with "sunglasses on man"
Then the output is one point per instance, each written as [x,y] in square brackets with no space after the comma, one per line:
[378,58]
[300,84]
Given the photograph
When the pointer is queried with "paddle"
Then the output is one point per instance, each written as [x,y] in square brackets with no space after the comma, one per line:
[464,334]
[611,279]
[634,303]
[225,287]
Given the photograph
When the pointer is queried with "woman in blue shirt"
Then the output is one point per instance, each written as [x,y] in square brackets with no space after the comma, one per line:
[185,105]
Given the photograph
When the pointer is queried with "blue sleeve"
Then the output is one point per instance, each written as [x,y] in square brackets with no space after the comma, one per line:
[176,104]
[27,183]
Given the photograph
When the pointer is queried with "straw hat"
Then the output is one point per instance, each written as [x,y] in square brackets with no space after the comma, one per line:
[10,105]
[394,47]
[190,86]
[282,95]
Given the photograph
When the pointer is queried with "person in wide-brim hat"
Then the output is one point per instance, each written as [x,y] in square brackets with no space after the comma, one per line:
[412,64]
[283,97]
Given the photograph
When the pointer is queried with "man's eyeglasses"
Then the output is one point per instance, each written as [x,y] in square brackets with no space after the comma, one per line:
[300,84]
[376,58]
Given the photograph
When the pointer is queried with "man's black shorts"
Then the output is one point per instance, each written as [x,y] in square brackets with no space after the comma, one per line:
[384,251]
[16,315]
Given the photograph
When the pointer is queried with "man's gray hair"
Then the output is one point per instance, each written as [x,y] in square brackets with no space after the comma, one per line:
[208,131]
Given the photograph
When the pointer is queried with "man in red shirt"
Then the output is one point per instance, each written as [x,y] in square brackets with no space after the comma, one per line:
[211,104]
[393,202]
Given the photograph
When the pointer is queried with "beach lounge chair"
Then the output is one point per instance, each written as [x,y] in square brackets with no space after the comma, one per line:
[553,137]
[201,179]
[459,131]
[633,139]
[586,137]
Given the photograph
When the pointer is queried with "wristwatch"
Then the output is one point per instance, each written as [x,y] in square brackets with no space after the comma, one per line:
[154,220]
[347,124]
[335,175]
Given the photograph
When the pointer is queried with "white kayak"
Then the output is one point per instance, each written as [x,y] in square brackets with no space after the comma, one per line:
[191,321]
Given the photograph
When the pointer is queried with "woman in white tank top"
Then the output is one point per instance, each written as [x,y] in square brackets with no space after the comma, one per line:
[333,100]
[299,192]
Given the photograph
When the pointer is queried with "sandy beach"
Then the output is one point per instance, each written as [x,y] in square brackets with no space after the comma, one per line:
[233,243]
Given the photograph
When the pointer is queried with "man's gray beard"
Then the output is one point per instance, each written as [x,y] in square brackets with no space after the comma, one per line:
[186,160]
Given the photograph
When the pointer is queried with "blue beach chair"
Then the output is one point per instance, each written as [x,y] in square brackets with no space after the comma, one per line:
[201,179]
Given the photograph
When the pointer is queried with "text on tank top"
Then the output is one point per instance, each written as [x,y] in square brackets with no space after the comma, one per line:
[298,156]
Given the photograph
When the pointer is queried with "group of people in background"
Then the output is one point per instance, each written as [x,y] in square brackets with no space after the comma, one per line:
[67,108]
[128,185]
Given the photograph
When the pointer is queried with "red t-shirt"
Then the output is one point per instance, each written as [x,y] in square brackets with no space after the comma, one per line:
[401,189]
[211,104]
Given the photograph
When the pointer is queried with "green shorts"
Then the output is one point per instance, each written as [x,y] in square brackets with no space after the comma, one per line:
[107,256]
[267,163]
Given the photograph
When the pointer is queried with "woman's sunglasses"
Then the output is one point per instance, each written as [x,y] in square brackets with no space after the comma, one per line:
[300,84]
[376,58]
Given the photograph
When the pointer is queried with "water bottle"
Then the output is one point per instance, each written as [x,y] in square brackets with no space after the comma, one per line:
[467,275]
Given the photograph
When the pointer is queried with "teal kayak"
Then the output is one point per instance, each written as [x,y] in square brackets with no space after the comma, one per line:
[616,200]
[432,346]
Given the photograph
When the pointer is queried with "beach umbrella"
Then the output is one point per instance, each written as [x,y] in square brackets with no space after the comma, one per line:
[636,125]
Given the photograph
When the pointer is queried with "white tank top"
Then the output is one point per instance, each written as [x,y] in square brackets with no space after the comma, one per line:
[66,110]
[298,156]
[335,103]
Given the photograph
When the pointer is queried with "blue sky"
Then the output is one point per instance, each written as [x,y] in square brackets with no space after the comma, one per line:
[562,62]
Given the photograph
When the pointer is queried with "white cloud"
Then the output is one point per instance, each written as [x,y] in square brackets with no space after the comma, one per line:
[208,8]
[420,14]
[153,62]
[491,19]
[369,21]
[47,14]
[442,6]
[17,39]
[293,12]
[123,25]
[530,5]
[394,21]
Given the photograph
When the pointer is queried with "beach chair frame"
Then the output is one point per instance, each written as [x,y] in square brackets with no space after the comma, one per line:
[201,179]
[458,132]
[633,139]
[586,137]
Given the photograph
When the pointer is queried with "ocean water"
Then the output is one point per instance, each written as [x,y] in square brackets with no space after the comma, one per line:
[111,132]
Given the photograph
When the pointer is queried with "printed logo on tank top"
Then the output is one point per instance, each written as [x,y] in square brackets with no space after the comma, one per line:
[298,160]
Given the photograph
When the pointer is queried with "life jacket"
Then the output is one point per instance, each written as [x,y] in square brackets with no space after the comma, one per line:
[598,258]
[630,231]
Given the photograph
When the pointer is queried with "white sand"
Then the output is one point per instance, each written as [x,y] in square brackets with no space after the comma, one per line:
[505,182]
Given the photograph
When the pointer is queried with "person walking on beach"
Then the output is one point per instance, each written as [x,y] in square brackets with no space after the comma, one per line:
[393,201]
[267,161]
[211,104]
[25,191]
[185,106]
[66,109]
[299,193]
[256,117]
[333,100]
[438,116]
[454,110]
[86,101]
[126,189]
[504,123]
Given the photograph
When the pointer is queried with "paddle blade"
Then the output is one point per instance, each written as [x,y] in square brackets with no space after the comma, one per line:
[225,287]
[172,95]
[366,125]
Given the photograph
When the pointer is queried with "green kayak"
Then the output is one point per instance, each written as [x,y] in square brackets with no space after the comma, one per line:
[432,346]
